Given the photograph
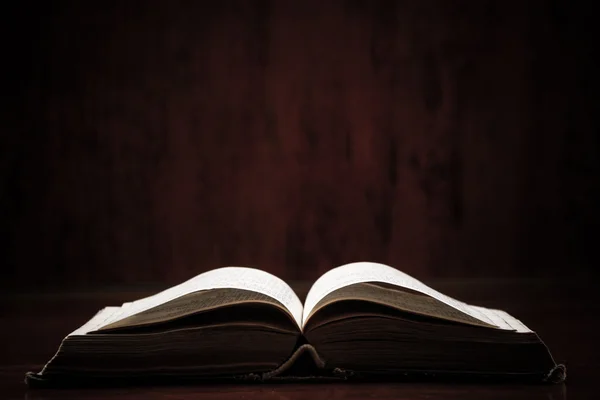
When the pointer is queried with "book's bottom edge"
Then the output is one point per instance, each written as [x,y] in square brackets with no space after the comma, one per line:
[556,375]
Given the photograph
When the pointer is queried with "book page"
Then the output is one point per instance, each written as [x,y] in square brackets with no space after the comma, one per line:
[504,320]
[358,272]
[394,297]
[96,321]
[227,277]
[199,302]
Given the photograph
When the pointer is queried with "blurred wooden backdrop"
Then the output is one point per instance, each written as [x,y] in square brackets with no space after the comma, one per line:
[151,140]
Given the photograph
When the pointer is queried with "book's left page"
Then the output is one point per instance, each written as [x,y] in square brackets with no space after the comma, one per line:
[250,280]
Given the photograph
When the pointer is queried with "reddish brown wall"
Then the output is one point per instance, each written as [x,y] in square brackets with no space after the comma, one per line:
[155,140]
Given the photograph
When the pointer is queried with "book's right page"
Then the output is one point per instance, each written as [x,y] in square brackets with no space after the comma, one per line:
[361,272]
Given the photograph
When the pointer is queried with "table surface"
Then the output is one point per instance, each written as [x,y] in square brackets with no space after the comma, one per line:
[562,313]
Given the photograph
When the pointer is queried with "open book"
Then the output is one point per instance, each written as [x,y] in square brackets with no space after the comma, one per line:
[360,320]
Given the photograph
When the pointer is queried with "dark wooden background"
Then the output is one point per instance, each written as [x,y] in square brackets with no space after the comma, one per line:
[146,141]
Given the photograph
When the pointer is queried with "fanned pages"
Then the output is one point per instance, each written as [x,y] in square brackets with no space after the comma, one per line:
[359,272]
[229,277]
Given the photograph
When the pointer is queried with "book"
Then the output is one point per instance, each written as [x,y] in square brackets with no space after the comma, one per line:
[360,321]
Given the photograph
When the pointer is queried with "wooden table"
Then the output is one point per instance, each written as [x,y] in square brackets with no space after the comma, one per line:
[563,313]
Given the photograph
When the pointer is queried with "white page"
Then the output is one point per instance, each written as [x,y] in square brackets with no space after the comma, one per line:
[504,320]
[227,277]
[358,272]
[97,321]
